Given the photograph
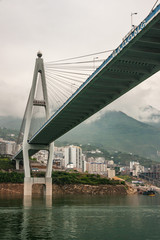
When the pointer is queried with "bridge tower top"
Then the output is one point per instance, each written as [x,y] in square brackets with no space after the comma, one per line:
[39,54]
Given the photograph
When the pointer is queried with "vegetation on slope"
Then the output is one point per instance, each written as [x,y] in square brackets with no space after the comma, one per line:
[11,177]
[6,164]
[10,122]
[8,134]
[61,178]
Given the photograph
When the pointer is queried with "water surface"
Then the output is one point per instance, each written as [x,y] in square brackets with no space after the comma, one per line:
[81,217]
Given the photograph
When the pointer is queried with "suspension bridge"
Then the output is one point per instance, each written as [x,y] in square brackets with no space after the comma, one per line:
[78,90]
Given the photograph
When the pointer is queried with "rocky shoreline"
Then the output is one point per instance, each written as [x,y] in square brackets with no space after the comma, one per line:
[15,188]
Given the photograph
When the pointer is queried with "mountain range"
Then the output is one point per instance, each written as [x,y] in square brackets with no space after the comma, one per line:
[113,130]
[117,131]
[10,122]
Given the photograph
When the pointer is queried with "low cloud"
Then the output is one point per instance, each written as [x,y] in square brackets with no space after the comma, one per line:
[62,29]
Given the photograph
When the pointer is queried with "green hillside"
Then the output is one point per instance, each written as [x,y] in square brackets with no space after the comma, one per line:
[10,122]
[113,131]
[8,134]
[117,131]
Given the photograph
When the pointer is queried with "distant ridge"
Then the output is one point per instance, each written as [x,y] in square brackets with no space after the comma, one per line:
[10,122]
[117,131]
[113,130]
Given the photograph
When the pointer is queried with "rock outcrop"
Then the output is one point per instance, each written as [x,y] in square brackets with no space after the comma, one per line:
[14,188]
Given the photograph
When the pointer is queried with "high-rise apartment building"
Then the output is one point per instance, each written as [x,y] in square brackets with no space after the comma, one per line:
[73,156]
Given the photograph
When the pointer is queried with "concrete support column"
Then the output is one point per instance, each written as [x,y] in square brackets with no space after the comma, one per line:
[50,161]
[28,182]
[17,164]
[27,201]
[48,186]
[27,186]
[26,163]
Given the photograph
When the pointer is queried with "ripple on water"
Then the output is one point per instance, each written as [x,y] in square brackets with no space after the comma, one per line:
[82,218]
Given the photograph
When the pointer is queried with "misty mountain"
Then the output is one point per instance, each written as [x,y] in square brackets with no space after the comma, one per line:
[118,131]
[114,131]
[149,115]
[10,122]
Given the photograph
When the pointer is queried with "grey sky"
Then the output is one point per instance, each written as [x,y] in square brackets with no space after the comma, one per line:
[62,29]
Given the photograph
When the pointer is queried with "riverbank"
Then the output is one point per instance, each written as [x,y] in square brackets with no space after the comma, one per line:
[145,187]
[17,188]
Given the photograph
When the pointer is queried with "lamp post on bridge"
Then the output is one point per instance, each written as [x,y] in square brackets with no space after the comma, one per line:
[132,25]
[94,62]
[72,90]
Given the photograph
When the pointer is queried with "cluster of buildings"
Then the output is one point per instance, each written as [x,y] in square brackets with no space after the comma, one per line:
[68,157]
[153,175]
[71,157]
[134,169]
[99,165]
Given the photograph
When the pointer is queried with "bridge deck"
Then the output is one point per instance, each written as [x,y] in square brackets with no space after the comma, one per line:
[136,59]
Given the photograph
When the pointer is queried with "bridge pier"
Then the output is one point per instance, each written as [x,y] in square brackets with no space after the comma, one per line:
[17,164]
[27,186]
[33,148]
[48,184]
[29,181]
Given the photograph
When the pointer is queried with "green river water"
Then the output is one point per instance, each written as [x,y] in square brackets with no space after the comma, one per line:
[80,217]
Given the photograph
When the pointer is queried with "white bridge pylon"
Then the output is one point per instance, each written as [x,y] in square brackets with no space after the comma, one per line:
[28,180]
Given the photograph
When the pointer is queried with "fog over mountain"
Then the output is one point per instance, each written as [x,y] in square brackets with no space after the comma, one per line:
[146,114]
[149,114]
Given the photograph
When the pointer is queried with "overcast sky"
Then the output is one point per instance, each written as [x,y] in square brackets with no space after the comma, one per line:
[63,29]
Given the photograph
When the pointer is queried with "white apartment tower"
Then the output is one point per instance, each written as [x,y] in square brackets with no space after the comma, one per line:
[73,156]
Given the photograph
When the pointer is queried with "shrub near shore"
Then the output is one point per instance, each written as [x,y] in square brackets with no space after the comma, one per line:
[11,177]
[6,164]
[61,178]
